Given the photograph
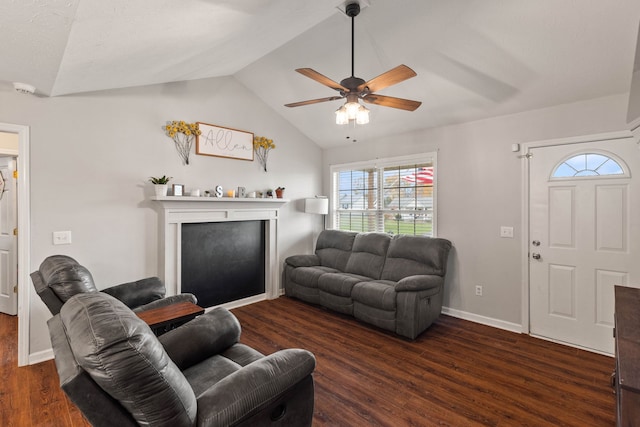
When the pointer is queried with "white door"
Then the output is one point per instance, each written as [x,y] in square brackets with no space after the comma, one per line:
[584,238]
[8,246]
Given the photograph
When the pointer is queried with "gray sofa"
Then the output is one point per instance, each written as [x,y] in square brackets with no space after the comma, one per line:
[393,282]
[119,374]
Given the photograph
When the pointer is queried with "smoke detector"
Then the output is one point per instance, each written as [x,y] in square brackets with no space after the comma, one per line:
[24,88]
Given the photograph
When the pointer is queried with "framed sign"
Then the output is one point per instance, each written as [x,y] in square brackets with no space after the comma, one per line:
[224,142]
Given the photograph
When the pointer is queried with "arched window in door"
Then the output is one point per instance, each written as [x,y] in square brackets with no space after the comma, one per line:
[589,165]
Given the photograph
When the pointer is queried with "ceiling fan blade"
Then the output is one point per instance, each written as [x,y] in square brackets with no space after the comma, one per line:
[390,101]
[313,101]
[391,77]
[322,79]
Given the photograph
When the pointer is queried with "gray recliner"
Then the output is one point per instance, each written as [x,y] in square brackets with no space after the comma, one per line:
[60,277]
[117,372]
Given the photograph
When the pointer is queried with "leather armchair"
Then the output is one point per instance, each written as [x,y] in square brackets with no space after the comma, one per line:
[60,277]
[118,373]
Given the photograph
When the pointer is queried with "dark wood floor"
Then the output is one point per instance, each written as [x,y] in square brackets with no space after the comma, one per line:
[457,373]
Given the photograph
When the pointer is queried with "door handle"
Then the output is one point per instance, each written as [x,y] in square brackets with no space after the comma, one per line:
[536,243]
[535,256]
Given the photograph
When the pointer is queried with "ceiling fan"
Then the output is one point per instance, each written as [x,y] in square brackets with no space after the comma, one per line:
[354,88]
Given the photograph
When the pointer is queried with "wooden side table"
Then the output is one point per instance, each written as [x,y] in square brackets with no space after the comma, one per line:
[164,319]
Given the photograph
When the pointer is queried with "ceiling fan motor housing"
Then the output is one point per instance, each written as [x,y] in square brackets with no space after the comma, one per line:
[352,83]
[352,9]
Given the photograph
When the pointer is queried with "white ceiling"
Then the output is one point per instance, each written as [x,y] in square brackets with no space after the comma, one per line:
[474,58]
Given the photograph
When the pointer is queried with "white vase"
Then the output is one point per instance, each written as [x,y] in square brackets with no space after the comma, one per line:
[161,189]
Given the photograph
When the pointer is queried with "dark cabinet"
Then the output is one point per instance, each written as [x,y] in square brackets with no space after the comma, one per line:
[627,375]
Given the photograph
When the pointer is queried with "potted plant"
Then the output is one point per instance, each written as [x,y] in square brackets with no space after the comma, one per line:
[279,192]
[161,184]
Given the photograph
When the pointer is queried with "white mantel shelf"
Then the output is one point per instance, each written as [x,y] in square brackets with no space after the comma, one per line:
[240,203]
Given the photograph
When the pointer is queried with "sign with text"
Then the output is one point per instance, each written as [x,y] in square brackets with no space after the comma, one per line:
[224,142]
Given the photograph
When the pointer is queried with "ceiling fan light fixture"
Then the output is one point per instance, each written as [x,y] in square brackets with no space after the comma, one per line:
[341,116]
[362,117]
[352,108]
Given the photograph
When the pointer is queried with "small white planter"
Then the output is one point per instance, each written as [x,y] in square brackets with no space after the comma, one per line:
[161,189]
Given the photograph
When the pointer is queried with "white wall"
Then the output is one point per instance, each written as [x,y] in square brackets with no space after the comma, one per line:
[92,154]
[480,189]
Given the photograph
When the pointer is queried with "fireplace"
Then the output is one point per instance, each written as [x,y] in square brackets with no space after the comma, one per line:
[195,232]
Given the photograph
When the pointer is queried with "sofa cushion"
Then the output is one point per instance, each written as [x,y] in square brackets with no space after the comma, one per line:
[208,372]
[308,276]
[123,356]
[333,248]
[379,294]
[339,284]
[368,254]
[413,255]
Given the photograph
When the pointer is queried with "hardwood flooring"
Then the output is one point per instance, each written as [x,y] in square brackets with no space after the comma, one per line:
[30,395]
[457,373]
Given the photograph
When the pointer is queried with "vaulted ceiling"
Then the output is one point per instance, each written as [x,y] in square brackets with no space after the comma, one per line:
[473,58]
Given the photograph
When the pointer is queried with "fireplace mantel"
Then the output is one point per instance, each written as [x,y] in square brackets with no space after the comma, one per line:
[218,202]
[177,210]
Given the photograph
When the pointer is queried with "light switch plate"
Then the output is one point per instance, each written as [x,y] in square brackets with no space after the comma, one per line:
[506,232]
[62,237]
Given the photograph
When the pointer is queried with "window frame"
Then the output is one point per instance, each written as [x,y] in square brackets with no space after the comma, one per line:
[380,164]
[623,165]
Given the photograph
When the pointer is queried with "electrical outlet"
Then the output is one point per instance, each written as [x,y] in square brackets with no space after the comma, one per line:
[479,290]
[61,237]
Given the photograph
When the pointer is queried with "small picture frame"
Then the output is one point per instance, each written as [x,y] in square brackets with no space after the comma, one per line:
[178,189]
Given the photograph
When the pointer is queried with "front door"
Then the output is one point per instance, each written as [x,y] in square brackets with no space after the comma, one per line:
[8,246]
[584,238]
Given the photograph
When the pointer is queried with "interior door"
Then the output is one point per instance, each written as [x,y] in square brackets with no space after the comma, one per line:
[8,245]
[584,238]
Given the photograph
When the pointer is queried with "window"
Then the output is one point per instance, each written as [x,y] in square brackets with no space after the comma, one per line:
[393,195]
[587,164]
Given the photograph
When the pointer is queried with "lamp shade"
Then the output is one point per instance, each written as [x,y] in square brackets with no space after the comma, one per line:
[317,205]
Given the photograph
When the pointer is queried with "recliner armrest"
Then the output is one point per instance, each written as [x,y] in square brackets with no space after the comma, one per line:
[247,390]
[302,260]
[201,338]
[164,302]
[419,283]
[140,292]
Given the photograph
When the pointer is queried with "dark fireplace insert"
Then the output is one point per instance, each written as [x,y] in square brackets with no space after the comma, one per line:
[223,261]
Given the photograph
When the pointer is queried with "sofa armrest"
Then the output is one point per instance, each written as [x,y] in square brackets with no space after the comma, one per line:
[140,292]
[244,392]
[420,282]
[201,338]
[302,260]
[164,302]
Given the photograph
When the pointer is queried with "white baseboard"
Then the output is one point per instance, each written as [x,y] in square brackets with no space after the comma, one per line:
[489,321]
[41,356]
